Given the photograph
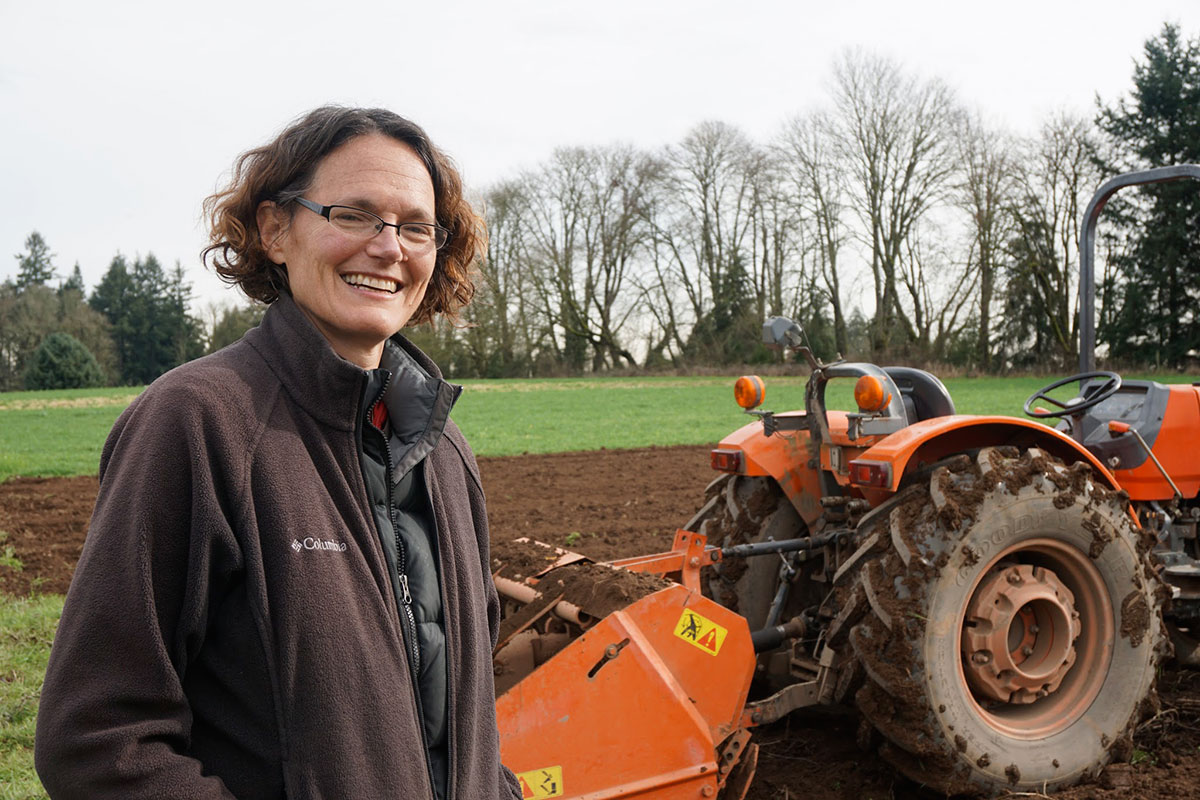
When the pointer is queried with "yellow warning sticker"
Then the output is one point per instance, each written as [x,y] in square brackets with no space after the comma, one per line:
[700,631]
[538,783]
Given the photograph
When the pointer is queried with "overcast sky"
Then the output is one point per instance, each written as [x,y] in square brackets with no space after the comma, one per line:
[118,118]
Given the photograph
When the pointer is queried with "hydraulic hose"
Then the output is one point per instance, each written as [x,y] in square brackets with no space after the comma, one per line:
[772,637]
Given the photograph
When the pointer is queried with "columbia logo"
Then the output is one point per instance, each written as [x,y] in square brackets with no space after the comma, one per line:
[310,543]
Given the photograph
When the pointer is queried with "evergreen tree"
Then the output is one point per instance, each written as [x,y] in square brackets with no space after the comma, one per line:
[150,322]
[233,324]
[35,267]
[113,297]
[1025,329]
[1157,282]
[62,362]
[731,332]
[73,283]
[90,327]
[148,311]
[185,332]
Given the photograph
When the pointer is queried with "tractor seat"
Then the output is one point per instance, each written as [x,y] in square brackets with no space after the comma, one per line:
[924,396]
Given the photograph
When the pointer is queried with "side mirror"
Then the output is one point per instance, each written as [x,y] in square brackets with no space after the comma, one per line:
[780,333]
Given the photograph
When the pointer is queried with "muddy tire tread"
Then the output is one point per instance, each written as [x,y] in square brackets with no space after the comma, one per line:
[893,697]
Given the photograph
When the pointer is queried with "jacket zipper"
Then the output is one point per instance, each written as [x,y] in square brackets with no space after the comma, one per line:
[410,630]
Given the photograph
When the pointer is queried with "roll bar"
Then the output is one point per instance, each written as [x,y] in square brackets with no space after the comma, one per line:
[1087,248]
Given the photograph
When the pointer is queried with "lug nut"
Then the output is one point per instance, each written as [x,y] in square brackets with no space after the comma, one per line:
[981,656]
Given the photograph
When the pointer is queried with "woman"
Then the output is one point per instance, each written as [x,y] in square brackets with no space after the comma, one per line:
[285,589]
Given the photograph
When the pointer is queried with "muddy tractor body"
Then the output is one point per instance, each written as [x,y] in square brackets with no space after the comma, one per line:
[993,595]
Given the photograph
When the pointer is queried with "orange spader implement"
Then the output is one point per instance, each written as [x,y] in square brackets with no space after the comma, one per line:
[645,703]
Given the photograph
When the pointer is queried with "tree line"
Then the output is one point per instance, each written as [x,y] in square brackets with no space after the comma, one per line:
[892,222]
[135,324]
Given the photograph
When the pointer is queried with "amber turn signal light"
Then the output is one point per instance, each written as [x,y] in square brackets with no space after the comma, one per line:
[869,394]
[749,391]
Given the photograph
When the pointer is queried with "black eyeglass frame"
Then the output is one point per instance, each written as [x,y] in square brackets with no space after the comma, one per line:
[324,211]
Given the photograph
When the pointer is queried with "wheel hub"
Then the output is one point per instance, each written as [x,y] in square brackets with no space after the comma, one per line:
[1018,640]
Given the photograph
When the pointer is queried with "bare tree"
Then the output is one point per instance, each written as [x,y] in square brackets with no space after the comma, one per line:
[586,222]
[504,333]
[894,133]
[776,238]
[809,163]
[553,220]
[702,220]
[937,289]
[618,192]
[664,298]
[1058,174]
[985,189]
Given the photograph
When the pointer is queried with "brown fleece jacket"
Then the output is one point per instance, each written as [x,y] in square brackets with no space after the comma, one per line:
[231,630]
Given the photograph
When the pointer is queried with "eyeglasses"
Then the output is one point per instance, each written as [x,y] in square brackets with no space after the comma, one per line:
[420,237]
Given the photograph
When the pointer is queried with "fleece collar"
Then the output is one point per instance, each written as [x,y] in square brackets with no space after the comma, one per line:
[329,388]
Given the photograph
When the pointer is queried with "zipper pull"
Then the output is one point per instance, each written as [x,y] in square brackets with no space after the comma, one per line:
[404,589]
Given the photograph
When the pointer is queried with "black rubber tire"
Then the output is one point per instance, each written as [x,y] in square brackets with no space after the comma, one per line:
[741,510]
[939,543]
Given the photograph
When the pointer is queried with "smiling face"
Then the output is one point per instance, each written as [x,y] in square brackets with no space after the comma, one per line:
[357,293]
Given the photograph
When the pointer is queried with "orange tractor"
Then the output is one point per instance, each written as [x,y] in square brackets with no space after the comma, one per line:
[994,595]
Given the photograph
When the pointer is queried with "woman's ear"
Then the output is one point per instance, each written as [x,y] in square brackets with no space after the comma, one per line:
[272,225]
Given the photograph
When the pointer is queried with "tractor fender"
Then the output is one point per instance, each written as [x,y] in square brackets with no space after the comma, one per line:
[931,440]
[789,457]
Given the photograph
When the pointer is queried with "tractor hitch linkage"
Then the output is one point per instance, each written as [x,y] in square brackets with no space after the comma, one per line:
[785,545]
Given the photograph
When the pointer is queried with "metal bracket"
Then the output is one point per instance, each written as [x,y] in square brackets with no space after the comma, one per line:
[778,705]
[687,556]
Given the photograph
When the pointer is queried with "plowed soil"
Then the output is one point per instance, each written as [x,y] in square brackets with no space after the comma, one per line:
[609,504]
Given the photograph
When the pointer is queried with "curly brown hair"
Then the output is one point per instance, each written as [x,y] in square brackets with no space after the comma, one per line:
[283,169]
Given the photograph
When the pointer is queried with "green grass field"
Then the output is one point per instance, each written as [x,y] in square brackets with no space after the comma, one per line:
[61,433]
[540,416]
[57,432]
[28,628]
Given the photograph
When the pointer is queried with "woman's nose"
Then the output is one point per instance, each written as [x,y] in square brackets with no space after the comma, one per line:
[386,244]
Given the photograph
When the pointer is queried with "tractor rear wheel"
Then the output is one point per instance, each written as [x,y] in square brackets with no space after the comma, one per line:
[741,510]
[1013,626]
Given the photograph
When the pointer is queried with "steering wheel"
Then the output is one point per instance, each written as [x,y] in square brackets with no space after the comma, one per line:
[1106,390]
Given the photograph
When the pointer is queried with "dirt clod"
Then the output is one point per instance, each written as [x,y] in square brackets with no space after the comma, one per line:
[600,590]
[1135,617]
[1094,524]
